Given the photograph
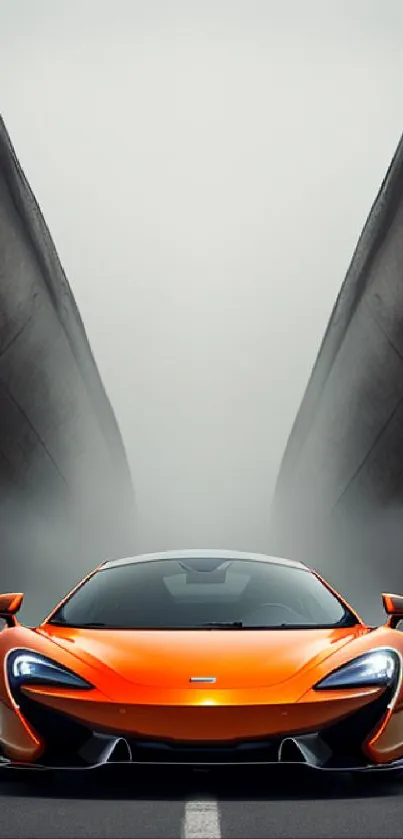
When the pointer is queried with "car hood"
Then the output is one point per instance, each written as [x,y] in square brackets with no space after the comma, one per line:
[170,658]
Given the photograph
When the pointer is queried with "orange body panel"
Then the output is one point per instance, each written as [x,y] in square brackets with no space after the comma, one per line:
[264,684]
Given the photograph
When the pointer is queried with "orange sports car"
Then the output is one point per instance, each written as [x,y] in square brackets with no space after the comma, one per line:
[202,658]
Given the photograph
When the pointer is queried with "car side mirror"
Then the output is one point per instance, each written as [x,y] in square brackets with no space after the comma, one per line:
[393,605]
[10,604]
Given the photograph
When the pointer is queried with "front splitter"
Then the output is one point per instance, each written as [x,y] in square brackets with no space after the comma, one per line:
[9,765]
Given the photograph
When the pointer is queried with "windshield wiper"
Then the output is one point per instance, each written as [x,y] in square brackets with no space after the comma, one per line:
[91,624]
[222,625]
[86,625]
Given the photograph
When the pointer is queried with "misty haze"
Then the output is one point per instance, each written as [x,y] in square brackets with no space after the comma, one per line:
[205,171]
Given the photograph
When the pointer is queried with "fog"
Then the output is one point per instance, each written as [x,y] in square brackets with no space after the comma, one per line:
[205,169]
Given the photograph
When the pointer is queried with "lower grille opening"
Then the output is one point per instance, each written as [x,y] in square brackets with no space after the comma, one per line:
[346,738]
[153,751]
[63,736]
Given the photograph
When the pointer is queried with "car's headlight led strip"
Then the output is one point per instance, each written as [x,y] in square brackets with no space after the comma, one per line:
[26,667]
[379,668]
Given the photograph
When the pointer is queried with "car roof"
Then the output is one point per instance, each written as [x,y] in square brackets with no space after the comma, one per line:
[208,553]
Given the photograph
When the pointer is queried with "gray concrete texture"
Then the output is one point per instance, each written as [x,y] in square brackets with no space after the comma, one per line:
[339,493]
[66,496]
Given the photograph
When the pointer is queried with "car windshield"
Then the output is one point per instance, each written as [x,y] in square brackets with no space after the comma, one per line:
[203,593]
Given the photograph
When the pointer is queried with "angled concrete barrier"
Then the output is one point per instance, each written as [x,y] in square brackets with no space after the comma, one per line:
[66,497]
[339,493]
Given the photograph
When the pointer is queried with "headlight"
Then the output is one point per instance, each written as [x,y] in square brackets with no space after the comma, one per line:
[376,669]
[25,667]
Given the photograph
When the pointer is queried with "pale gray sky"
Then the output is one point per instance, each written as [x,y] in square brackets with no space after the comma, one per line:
[205,169]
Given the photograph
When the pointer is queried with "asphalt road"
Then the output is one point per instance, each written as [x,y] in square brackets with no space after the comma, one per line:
[173,804]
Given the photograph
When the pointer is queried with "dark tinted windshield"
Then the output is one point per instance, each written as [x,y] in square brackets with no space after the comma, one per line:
[177,594]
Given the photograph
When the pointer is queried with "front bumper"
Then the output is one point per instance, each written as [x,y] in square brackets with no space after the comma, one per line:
[77,744]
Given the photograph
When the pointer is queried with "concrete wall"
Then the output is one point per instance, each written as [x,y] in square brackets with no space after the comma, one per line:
[339,497]
[66,498]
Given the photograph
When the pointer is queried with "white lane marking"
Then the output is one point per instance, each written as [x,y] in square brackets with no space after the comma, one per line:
[201,820]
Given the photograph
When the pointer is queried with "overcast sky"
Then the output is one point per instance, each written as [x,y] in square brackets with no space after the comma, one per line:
[205,169]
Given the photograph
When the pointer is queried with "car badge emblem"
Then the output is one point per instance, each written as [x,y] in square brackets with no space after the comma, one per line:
[209,679]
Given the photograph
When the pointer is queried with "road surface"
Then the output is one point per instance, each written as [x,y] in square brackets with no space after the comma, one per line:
[174,804]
